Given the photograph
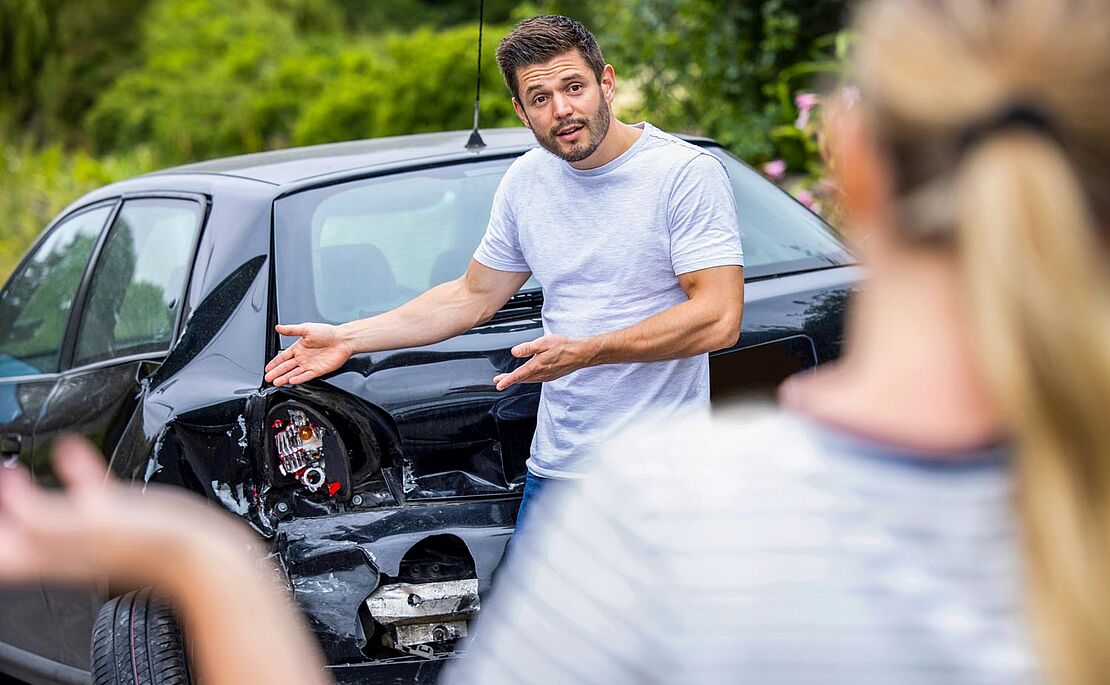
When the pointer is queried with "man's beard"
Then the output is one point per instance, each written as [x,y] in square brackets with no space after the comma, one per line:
[596,127]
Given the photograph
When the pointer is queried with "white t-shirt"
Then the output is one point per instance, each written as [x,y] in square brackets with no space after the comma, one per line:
[606,246]
[763,549]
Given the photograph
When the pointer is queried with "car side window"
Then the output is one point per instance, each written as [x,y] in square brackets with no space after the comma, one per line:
[139,280]
[35,304]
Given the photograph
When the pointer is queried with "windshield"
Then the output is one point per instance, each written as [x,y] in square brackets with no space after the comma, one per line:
[360,248]
[778,234]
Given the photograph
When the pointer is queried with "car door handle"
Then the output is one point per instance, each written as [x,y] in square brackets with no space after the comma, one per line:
[11,445]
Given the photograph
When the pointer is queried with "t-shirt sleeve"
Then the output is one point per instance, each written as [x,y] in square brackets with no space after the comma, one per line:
[702,217]
[500,247]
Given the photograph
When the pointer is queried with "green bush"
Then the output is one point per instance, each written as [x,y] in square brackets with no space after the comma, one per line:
[95,90]
[417,82]
[723,68]
[202,63]
[40,183]
[57,57]
[222,77]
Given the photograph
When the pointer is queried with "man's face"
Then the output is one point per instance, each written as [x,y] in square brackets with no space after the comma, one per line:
[564,104]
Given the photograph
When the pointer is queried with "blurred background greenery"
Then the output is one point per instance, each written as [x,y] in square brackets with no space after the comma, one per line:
[96,90]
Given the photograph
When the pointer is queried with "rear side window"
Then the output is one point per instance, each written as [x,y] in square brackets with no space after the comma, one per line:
[35,304]
[139,279]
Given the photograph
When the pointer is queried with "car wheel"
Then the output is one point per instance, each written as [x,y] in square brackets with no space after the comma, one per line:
[137,641]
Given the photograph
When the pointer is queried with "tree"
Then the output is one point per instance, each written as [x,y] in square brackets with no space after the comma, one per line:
[421,81]
[717,67]
[57,57]
[202,62]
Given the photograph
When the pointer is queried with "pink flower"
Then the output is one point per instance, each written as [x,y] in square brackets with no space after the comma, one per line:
[775,169]
[806,198]
[805,102]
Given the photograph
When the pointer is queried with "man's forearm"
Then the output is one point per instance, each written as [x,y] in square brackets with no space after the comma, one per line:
[709,320]
[685,330]
[440,313]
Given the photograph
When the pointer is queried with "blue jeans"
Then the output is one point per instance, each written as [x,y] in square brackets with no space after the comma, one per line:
[533,485]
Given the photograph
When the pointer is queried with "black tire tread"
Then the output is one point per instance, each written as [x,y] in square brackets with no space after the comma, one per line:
[137,640]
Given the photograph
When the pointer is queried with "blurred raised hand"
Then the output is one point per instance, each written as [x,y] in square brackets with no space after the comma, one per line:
[95,527]
[241,626]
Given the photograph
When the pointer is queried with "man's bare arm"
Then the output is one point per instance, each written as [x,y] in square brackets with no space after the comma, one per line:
[442,312]
[709,320]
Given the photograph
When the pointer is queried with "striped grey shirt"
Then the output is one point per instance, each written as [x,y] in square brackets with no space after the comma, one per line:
[763,549]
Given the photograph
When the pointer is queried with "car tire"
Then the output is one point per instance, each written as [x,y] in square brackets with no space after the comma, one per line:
[137,640]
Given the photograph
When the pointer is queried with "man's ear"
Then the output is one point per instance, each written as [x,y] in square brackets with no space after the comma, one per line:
[608,83]
[520,113]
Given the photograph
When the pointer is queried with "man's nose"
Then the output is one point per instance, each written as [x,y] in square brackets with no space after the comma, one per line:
[562,106]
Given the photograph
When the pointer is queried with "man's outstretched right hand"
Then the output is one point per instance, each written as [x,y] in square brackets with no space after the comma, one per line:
[321,349]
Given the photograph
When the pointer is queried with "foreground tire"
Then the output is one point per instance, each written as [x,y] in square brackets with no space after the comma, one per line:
[137,641]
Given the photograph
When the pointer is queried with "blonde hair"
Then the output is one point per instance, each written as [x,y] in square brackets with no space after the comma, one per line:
[996,118]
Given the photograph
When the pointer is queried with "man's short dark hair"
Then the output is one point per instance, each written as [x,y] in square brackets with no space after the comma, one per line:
[539,39]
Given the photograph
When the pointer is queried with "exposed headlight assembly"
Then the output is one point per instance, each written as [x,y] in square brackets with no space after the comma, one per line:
[300,453]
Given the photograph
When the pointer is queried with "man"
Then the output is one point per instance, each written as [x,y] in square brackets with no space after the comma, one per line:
[631,233]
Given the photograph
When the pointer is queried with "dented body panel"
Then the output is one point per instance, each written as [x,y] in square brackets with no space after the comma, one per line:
[332,560]
[426,457]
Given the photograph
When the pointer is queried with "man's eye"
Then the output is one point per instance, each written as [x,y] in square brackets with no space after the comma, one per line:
[575,87]
[539,100]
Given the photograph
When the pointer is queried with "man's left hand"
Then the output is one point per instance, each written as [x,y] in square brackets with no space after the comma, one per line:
[552,356]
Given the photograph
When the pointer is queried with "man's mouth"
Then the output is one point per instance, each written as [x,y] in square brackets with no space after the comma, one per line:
[569,133]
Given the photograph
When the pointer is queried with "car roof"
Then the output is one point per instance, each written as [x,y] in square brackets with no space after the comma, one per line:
[282,167]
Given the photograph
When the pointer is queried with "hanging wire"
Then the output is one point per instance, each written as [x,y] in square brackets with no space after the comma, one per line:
[476,143]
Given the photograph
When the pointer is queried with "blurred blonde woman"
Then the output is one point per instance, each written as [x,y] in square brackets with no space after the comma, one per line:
[935,507]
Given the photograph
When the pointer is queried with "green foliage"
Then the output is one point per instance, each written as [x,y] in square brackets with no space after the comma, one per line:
[374,16]
[24,33]
[57,57]
[24,42]
[96,90]
[40,183]
[94,42]
[222,77]
[202,60]
[723,68]
[422,81]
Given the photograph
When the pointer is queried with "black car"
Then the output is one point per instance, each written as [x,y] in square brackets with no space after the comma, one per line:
[143,318]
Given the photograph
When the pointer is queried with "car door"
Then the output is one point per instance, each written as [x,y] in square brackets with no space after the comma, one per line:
[35,309]
[128,319]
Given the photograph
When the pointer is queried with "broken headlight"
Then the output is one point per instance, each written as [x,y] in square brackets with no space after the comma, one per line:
[300,453]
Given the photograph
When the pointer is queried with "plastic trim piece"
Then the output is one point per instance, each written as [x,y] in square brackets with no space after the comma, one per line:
[36,669]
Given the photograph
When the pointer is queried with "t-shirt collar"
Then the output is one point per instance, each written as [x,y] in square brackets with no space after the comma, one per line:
[617,161]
